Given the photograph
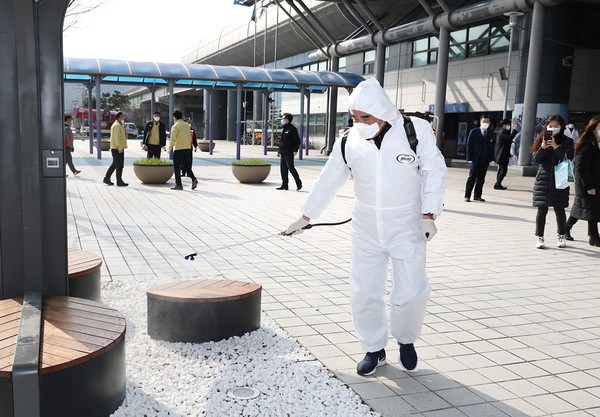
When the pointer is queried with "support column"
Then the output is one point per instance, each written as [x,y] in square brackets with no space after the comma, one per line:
[536,44]
[238,121]
[171,92]
[301,122]
[440,83]
[90,88]
[231,115]
[380,63]
[98,120]
[152,99]
[33,226]
[332,112]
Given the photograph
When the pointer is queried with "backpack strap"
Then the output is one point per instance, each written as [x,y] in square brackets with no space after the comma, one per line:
[409,128]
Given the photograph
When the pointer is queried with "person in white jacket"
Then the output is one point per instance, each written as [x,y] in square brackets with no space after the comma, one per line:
[398,194]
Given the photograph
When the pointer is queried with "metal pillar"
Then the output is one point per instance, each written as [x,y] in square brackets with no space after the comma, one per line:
[238,121]
[98,121]
[231,115]
[333,99]
[302,90]
[307,119]
[440,83]
[512,24]
[530,102]
[380,63]
[90,88]
[171,87]
[152,99]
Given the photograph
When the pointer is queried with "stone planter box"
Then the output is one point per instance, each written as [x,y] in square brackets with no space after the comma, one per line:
[251,174]
[153,174]
[204,146]
[105,146]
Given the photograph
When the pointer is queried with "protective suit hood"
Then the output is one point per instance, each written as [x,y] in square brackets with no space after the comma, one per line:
[370,97]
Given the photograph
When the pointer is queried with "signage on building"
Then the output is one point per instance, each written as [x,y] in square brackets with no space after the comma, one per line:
[452,108]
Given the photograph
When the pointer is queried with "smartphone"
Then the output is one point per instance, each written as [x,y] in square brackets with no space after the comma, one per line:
[548,136]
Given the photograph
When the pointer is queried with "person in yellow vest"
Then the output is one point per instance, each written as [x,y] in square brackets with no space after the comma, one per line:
[118,144]
[193,144]
[69,138]
[180,144]
[155,136]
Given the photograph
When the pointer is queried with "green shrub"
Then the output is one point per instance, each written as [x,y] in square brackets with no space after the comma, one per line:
[251,162]
[105,140]
[153,162]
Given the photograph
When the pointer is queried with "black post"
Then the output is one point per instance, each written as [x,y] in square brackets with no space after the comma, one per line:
[33,231]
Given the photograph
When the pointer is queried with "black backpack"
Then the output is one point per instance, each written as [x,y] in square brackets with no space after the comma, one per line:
[409,128]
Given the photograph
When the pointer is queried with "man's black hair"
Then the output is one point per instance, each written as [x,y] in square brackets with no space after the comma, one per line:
[67,117]
[505,122]
[156,112]
[288,116]
[177,114]
[119,114]
[485,116]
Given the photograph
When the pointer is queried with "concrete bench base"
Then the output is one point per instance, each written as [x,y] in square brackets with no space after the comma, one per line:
[203,310]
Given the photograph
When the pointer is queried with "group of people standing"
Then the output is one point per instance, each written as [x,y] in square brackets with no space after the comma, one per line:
[555,143]
[183,139]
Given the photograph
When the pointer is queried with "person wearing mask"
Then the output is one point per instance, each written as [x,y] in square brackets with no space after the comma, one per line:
[502,151]
[69,139]
[155,136]
[288,148]
[398,194]
[549,149]
[586,168]
[571,131]
[118,144]
[479,148]
[180,144]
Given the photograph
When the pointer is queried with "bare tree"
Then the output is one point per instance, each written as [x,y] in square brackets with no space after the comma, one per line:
[78,8]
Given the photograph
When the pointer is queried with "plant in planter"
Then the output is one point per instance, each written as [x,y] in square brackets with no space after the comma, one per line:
[104,143]
[204,145]
[153,170]
[251,170]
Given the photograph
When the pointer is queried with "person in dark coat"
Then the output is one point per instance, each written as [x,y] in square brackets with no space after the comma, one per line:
[502,151]
[549,152]
[479,152]
[586,205]
[288,148]
[155,136]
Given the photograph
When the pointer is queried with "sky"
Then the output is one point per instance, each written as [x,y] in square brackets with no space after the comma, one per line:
[147,30]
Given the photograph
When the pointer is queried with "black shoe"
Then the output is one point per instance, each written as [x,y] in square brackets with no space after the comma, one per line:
[177,187]
[194,184]
[107,181]
[408,356]
[594,241]
[479,199]
[499,187]
[568,235]
[281,188]
[370,362]
[122,184]
[467,200]
[299,187]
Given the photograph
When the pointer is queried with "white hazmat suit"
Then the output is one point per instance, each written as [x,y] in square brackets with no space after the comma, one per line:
[393,188]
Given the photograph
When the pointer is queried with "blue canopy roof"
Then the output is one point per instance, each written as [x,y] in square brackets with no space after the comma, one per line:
[115,71]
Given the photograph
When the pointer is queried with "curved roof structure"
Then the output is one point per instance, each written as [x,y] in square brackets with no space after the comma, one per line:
[203,75]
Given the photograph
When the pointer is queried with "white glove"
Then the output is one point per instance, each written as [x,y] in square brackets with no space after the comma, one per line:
[296,227]
[428,229]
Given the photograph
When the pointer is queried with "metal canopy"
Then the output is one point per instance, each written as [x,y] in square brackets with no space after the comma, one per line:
[203,75]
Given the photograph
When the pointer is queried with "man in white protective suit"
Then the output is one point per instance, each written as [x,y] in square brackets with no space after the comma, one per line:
[398,195]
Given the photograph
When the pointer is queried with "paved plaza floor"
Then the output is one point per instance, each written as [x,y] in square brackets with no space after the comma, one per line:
[510,330]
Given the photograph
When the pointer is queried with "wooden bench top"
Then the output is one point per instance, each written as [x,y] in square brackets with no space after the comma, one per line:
[203,290]
[81,262]
[74,330]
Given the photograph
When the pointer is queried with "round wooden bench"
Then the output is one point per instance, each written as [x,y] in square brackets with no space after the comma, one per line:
[84,274]
[82,357]
[203,310]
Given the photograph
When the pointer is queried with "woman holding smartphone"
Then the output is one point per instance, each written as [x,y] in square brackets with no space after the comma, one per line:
[549,149]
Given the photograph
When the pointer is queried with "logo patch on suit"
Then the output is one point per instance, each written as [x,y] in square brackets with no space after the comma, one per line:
[405,159]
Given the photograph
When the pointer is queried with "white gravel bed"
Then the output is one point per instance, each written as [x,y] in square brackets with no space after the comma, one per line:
[187,379]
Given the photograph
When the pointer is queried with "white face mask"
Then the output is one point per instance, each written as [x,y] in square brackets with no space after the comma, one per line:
[366,131]
[157,119]
[484,126]
[554,130]
[284,122]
